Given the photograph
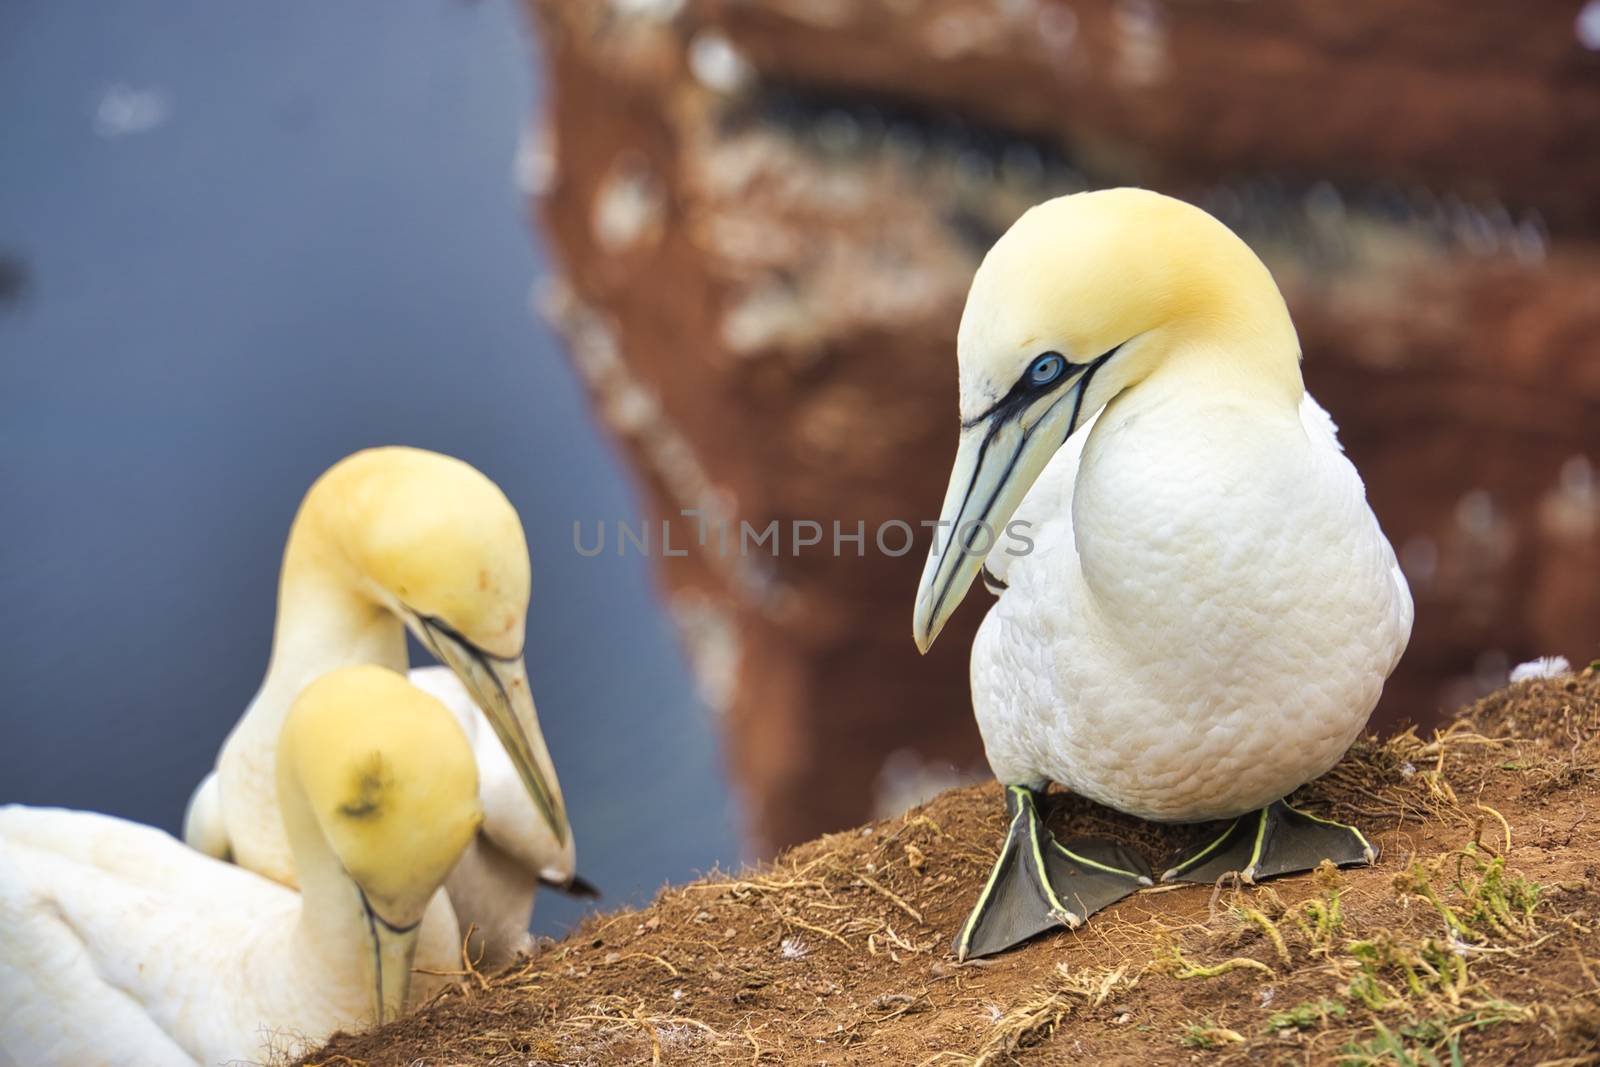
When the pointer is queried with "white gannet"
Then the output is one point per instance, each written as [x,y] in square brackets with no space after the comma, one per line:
[386,539]
[118,945]
[490,883]
[1209,608]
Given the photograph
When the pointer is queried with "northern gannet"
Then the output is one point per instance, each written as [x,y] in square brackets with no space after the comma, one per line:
[385,540]
[118,945]
[1209,608]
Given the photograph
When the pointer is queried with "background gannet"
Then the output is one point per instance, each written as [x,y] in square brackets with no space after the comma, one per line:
[118,945]
[1210,608]
[386,539]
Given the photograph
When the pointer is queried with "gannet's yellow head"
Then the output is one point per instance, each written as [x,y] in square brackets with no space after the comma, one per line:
[432,540]
[1084,298]
[391,782]
[432,535]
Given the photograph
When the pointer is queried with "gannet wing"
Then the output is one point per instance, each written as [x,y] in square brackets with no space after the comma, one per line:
[1319,426]
[56,1006]
[137,855]
[203,829]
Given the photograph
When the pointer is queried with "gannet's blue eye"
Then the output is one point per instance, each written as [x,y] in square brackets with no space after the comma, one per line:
[1046,369]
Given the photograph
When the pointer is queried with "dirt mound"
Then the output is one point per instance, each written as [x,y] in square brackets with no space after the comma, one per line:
[1473,940]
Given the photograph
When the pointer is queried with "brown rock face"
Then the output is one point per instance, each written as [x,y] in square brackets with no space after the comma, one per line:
[767,212]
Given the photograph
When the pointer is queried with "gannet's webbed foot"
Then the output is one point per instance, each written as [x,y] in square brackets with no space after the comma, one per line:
[1038,884]
[1276,840]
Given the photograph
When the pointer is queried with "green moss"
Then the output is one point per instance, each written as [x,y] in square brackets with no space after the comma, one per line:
[1495,897]
[1206,1034]
[1306,1016]
[1389,1048]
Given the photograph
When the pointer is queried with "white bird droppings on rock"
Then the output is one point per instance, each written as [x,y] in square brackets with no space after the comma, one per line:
[960,33]
[650,10]
[768,316]
[534,167]
[711,639]
[1057,29]
[718,65]
[1475,513]
[1570,511]
[1141,42]
[1419,559]
[629,207]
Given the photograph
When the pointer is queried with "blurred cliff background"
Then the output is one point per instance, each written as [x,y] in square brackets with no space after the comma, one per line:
[238,243]
[765,214]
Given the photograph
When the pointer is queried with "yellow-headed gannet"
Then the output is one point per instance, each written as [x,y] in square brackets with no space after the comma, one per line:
[118,945]
[1209,608]
[386,539]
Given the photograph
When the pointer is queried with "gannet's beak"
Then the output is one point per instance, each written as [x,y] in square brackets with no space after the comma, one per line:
[393,948]
[997,461]
[500,687]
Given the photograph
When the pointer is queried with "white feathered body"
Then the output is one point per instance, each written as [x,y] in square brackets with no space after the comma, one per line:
[1206,618]
[491,890]
[119,946]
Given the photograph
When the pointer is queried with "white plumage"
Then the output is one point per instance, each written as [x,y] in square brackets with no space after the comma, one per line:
[1203,609]
[488,883]
[121,947]
[1207,616]
[1197,609]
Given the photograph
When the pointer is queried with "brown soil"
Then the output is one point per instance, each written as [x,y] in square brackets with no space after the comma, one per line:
[1473,940]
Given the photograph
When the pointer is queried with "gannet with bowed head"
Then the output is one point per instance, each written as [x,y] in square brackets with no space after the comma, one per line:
[386,539]
[1209,609]
[118,945]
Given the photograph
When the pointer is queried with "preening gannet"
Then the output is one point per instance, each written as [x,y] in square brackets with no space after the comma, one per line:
[386,539]
[1209,609]
[118,945]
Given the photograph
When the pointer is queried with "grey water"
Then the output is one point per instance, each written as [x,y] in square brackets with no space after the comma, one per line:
[240,241]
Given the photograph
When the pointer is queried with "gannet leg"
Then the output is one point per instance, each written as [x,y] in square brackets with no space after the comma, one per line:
[1038,884]
[1276,840]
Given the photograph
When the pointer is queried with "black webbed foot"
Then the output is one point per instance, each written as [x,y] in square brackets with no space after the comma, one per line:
[1038,883]
[1276,840]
